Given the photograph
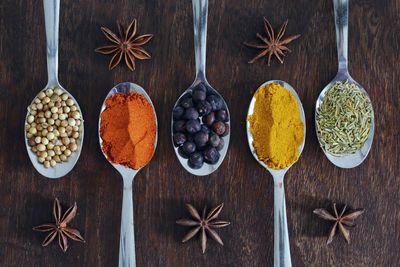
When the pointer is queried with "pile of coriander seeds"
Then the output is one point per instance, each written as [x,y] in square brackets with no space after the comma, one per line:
[53,126]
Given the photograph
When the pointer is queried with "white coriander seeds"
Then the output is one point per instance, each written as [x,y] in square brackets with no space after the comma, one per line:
[52,123]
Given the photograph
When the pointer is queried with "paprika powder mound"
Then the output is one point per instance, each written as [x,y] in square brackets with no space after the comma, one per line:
[128,130]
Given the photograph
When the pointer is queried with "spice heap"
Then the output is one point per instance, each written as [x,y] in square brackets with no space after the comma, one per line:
[128,130]
[344,119]
[53,126]
[276,126]
[199,125]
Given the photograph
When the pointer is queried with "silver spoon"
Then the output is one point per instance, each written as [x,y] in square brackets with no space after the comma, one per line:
[127,255]
[341,10]
[281,235]
[51,16]
[200,13]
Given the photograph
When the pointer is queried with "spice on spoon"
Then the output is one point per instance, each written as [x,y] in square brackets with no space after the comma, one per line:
[276,126]
[53,126]
[344,119]
[200,123]
[128,130]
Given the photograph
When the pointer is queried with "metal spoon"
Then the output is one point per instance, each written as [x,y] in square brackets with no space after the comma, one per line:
[341,10]
[200,13]
[281,236]
[127,255]
[51,15]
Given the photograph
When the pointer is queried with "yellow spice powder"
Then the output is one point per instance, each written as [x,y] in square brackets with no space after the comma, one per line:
[276,126]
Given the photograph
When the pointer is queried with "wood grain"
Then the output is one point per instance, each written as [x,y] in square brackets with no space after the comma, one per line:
[162,188]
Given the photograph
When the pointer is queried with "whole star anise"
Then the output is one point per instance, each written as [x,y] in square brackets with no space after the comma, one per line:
[127,45]
[273,44]
[205,223]
[60,227]
[341,220]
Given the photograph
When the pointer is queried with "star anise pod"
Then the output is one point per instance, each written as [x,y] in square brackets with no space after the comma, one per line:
[127,45]
[340,220]
[60,227]
[272,44]
[205,224]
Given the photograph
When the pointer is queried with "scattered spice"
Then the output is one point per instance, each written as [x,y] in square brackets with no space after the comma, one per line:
[127,45]
[341,220]
[344,119]
[205,223]
[276,126]
[53,126]
[128,130]
[273,44]
[60,227]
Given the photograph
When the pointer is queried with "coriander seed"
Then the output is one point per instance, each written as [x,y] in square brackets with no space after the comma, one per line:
[52,122]
[41,147]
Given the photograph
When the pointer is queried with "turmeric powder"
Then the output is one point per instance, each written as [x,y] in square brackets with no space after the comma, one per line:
[128,130]
[276,126]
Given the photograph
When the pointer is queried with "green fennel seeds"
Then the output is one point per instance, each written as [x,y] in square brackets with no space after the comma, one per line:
[344,119]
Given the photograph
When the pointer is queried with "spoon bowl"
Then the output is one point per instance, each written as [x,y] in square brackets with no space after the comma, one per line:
[347,160]
[200,13]
[63,168]
[127,255]
[281,236]
[206,169]
[51,14]
[126,88]
[251,111]
[341,12]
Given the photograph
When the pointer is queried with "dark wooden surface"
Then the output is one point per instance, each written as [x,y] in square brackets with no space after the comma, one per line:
[162,188]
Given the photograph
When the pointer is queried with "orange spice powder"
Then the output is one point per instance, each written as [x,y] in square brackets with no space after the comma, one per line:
[128,130]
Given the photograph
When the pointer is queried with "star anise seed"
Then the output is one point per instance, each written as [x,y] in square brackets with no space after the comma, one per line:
[340,220]
[272,44]
[126,45]
[204,223]
[60,227]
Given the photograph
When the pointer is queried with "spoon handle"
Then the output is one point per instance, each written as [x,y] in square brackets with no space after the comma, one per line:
[341,10]
[281,235]
[200,13]
[51,18]
[127,255]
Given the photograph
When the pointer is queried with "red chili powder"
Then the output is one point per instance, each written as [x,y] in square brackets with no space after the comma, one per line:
[128,130]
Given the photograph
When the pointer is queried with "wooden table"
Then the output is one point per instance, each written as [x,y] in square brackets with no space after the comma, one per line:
[162,188]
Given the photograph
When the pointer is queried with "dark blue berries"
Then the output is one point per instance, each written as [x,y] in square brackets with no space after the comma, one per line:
[199,124]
